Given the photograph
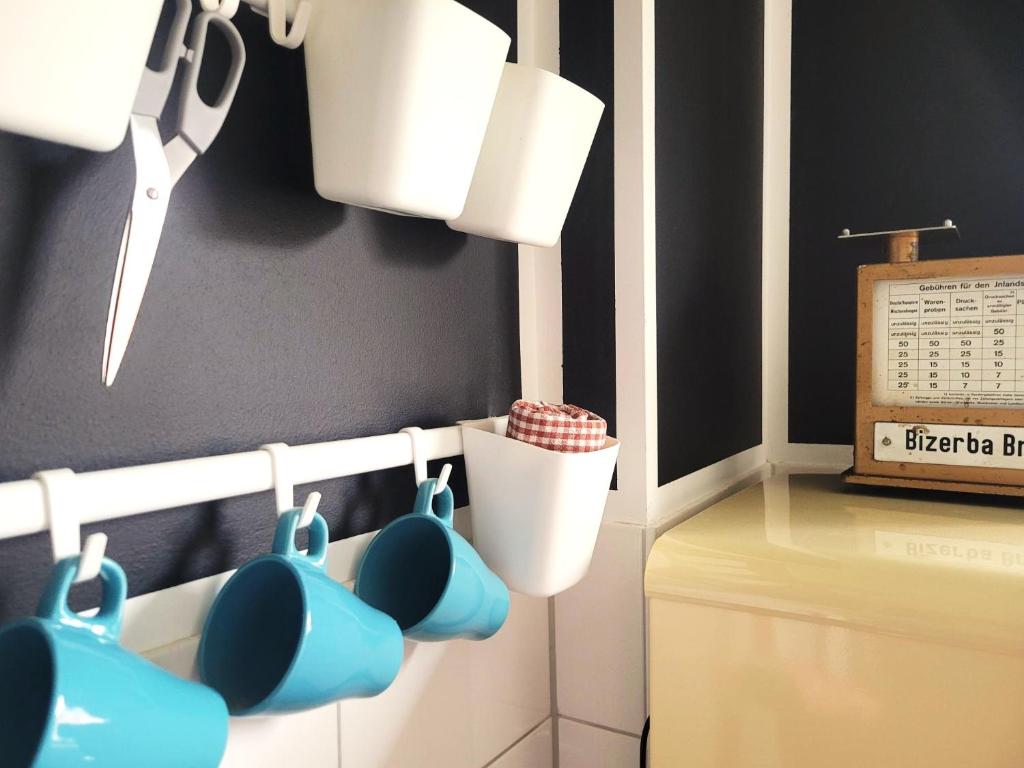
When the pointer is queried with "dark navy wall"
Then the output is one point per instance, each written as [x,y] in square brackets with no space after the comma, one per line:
[709,105]
[905,112]
[271,315]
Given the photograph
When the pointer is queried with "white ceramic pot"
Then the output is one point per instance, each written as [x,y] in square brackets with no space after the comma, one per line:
[537,143]
[400,92]
[69,69]
[536,513]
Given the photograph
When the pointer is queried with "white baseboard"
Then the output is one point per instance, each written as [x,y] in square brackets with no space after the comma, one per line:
[697,491]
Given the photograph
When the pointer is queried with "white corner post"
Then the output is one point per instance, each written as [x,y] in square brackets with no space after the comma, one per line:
[778,58]
[540,269]
[641,499]
[636,365]
[778,24]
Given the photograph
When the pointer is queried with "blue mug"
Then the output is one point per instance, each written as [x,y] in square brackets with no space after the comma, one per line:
[70,695]
[283,636]
[422,573]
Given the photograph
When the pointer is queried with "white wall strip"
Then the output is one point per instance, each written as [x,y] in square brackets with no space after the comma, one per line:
[540,269]
[697,490]
[778,28]
[170,615]
[636,363]
[778,56]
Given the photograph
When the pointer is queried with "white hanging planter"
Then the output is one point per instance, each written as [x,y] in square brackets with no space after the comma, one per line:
[536,513]
[537,143]
[69,70]
[399,96]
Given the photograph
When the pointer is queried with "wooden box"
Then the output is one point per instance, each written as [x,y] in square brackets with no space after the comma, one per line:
[940,375]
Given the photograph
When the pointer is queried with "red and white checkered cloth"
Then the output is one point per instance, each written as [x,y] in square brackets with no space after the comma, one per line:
[563,428]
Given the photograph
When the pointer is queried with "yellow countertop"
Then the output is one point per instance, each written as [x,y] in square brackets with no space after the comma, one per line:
[941,568]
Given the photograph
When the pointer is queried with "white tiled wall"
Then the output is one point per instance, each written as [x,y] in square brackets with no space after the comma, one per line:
[307,739]
[599,635]
[586,746]
[458,705]
[536,750]
[463,704]
[600,624]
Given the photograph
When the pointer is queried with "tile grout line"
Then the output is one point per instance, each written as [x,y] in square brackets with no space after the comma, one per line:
[556,752]
[337,715]
[553,682]
[645,656]
[600,727]
[517,742]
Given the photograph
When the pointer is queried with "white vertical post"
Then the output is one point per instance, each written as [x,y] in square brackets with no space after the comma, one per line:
[778,27]
[540,269]
[636,362]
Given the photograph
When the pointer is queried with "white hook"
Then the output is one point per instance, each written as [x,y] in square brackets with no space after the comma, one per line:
[226,8]
[442,478]
[66,525]
[280,469]
[284,485]
[309,509]
[419,462]
[278,18]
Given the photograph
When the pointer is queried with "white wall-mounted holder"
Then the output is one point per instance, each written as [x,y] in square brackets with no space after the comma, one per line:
[537,143]
[65,524]
[279,13]
[400,92]
[536,513]
[280,33]
[419,461]
[69,71]
[284,486]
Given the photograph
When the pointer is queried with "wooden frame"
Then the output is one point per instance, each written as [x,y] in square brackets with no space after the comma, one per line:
[940,476]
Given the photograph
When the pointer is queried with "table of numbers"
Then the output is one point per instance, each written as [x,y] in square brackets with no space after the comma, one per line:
[949,341]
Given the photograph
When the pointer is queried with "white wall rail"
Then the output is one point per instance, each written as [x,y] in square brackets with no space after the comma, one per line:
[113,493]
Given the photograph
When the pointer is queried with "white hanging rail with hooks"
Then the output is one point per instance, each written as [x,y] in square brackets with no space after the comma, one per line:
[113,493]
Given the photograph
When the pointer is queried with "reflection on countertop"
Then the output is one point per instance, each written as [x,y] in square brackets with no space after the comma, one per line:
[942,567]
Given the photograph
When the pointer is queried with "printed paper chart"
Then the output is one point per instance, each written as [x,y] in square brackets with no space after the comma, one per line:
[949,341]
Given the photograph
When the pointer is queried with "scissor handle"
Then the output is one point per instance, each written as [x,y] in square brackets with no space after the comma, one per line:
[199,122]
[155,86]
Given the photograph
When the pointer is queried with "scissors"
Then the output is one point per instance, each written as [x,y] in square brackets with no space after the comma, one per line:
[158,166]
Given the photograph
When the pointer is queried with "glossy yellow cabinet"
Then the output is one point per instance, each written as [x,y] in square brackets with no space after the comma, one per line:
[799,624]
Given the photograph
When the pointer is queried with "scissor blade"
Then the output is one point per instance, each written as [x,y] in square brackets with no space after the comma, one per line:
[138,243]
[113,294]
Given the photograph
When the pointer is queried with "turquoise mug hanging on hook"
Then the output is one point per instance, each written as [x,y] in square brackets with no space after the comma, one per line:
[422,573]
[70,695]
[283,636]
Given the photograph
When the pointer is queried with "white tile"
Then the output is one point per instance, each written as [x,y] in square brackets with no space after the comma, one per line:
[599,635]
[307,739]
[585,746]
[457,704]
[535,751]
[178,658]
